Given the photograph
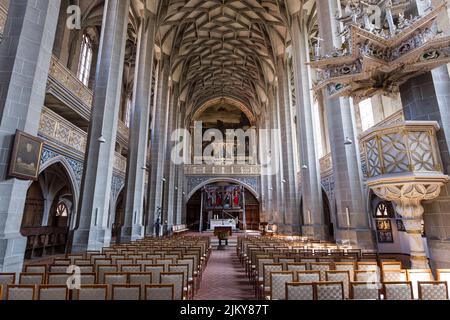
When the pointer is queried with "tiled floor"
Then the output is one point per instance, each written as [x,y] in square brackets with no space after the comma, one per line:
[224,278]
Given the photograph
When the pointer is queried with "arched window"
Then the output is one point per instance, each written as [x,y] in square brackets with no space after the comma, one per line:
[84,68]
[61,210]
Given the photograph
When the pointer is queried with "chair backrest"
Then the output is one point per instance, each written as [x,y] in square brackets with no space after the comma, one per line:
[160,292]
[131,268]
[95,257]
[268,269]
[57,269]
[398,290]
[140,278]
[433,290]
[144,262]
[329,290]
[444,275]
[416,275]
[175,278]
[61,262]
[35,269]
[307,276]
[120,262]
[57,278]
[31,278]
[103,262]
[126,292]
[190,263]
[394,275]
[296,266]
[391,265]
[20,292]
[346,266]
[260,265]
[97,292]
[340,276]
[364,291]
[156,270]
[181,268]
[299,291]
[88,278]
[53,293]
[323,267]
[367,266]
[278,282]
[115,278]
[368,276]
[102,269]
[284,261]
[5,280]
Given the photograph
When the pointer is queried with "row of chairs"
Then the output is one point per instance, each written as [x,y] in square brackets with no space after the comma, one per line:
[90,292]
[360,291]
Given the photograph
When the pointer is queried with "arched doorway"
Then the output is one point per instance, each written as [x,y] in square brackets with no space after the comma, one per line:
[194,207]
[119,217]
[48,210]
[327,216]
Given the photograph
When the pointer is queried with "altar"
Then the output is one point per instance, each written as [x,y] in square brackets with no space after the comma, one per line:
[214,223]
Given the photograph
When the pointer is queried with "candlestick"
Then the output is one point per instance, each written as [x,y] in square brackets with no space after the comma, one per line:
[347,213]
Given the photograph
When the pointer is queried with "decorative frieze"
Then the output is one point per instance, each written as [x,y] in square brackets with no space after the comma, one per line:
[65,77]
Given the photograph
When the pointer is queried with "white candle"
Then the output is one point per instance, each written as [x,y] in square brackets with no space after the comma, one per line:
[348,217]
[309,217]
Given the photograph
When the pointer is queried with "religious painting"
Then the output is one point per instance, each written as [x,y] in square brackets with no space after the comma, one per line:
[223,197]
[400,225]
[384,231]
[26,157]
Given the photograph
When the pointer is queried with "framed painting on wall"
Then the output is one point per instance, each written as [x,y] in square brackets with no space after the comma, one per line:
[26,157]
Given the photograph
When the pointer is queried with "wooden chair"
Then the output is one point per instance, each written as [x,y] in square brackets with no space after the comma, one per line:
[88,278]
[394,275]
[97,292]
[368,276]
[299,291]
[329,290]
[160,292]
[416,275]
[346,266]
[21,292]
[264,288]
[114,278]
[128,292]
[102,269]
[175,278]
[140,278]
[340,276]
[296,266]
[398,291]
[31,278]
[391,265]
[307,276]
[62,262]
[57,278]
[5,280]
[36,269]
[131,268]
[184,268]
[53,293]
[57,269]
[433,290]
[156,271]
[278,282]
[364,291]
[323,267]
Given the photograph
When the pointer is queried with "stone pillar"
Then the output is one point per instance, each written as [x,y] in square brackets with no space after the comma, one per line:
[158,140]
[313,215]
[93,232]
[346,158]
[289,182]
[137,150]
[25,54]
[180,176]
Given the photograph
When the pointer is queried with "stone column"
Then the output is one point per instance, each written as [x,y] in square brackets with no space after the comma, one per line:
[346,158]
[180,176]
[137,150]
[25,54]
[313,215]
[289,182]
[407,198]
[158,140]
[93,232]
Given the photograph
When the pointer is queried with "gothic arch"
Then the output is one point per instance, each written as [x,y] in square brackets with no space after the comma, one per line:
[215,180]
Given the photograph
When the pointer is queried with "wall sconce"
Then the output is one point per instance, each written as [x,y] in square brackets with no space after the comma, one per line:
[101,139]
[348,141]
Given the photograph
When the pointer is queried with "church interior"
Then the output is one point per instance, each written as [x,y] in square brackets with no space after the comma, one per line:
[224,150]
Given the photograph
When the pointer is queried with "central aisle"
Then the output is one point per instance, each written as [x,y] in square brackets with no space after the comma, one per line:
[224,278]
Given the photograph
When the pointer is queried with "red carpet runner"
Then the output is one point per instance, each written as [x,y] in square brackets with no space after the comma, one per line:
[224,278]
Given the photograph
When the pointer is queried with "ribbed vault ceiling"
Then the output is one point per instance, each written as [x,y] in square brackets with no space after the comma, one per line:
[223,48]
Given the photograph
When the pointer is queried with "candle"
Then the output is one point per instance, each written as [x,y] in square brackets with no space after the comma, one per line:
[347,213]
[309,217]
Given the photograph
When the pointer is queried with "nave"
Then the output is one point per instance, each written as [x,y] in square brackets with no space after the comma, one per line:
[254,267]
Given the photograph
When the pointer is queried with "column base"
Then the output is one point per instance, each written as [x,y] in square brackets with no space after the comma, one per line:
[358,238]
[91,240]
[12,253]
[316,232]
